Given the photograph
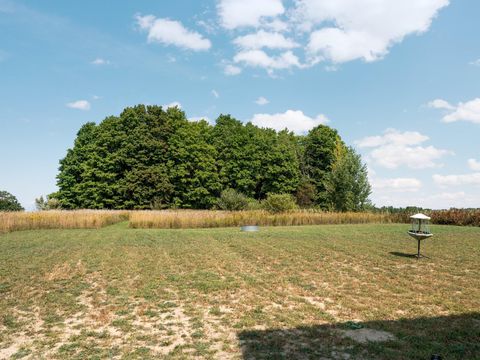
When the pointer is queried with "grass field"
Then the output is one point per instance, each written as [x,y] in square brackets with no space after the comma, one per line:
[333,292]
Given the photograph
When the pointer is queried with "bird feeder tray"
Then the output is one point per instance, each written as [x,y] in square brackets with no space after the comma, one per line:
[420,229]
[418,235]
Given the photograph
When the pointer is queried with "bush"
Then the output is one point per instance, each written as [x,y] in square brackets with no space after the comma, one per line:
[49,203]
[253,204]
[277,203]
[232,200]
[8,202]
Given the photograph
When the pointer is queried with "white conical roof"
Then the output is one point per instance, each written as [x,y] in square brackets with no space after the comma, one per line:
[420,216]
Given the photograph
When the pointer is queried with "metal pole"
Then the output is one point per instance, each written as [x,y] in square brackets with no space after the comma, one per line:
[419,228]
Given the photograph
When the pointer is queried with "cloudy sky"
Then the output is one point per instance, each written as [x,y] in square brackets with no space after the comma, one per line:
[400,80]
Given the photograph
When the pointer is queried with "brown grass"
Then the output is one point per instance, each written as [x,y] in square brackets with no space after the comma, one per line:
[462,217]
[296,292]
[178,219]
[81,219]
[184,219]
[458,217]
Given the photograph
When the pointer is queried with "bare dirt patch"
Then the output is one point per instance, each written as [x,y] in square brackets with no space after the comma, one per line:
[65,271]
[365,335]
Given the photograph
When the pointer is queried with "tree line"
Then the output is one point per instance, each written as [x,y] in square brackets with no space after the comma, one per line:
[153,158]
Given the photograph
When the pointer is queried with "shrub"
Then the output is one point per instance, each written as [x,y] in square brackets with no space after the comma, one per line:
[253,204]
[8,202]
[232,200]
[49,203]
[277,203]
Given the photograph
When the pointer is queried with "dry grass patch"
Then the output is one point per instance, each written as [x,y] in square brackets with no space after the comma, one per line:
[333,292]
[188,219]
[80,219]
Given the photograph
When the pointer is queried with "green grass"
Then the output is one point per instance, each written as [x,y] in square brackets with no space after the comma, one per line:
[285,292]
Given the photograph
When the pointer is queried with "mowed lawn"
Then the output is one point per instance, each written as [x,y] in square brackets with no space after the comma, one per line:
[332,292]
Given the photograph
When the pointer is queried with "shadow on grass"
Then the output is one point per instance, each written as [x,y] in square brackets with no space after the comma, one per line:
[401,254]
[412,256]
[451,337]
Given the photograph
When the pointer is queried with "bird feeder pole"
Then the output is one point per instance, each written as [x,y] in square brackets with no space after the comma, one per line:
[420,230]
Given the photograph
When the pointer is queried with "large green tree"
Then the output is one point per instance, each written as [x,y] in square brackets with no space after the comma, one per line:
[255,161]
[73,167]
[149,157]
[280,165]
[346,185]
[110,161]
[319,155]
[236,147]
[8,202]
[192,166]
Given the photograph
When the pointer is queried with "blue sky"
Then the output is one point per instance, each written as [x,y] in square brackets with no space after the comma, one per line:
[399,80]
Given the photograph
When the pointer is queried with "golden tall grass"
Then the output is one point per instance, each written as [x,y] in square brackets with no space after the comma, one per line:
[170,219]
[80,219]
[178,219]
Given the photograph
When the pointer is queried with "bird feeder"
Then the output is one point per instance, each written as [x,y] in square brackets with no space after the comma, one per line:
[420,229]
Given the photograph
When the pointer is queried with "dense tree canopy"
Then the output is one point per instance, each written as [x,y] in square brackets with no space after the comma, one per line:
[346,185]
[8,202]
[151,158]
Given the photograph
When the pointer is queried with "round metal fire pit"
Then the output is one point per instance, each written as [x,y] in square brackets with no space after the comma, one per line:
[250,228]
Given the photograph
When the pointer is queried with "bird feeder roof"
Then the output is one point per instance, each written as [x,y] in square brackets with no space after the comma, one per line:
[420,216]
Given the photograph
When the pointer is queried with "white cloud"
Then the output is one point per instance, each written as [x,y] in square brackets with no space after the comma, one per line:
[293,120]
[363,29]
[276,25]
[232,70]
[215,93]
[457,180]
[332,31]
[209,26]
[474,164]
[264,39]
[440,104]
[170,32]
[396,184]
[475,63]
[469,111]
[100,61]
[261,101]
[460,195]
[339,46]
[418,157]
[79,104]
[393,137]
[172,105]
[394,149]
[234,13]
[258,58]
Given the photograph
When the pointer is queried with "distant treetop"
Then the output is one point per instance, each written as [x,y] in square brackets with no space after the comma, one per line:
[8,202]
